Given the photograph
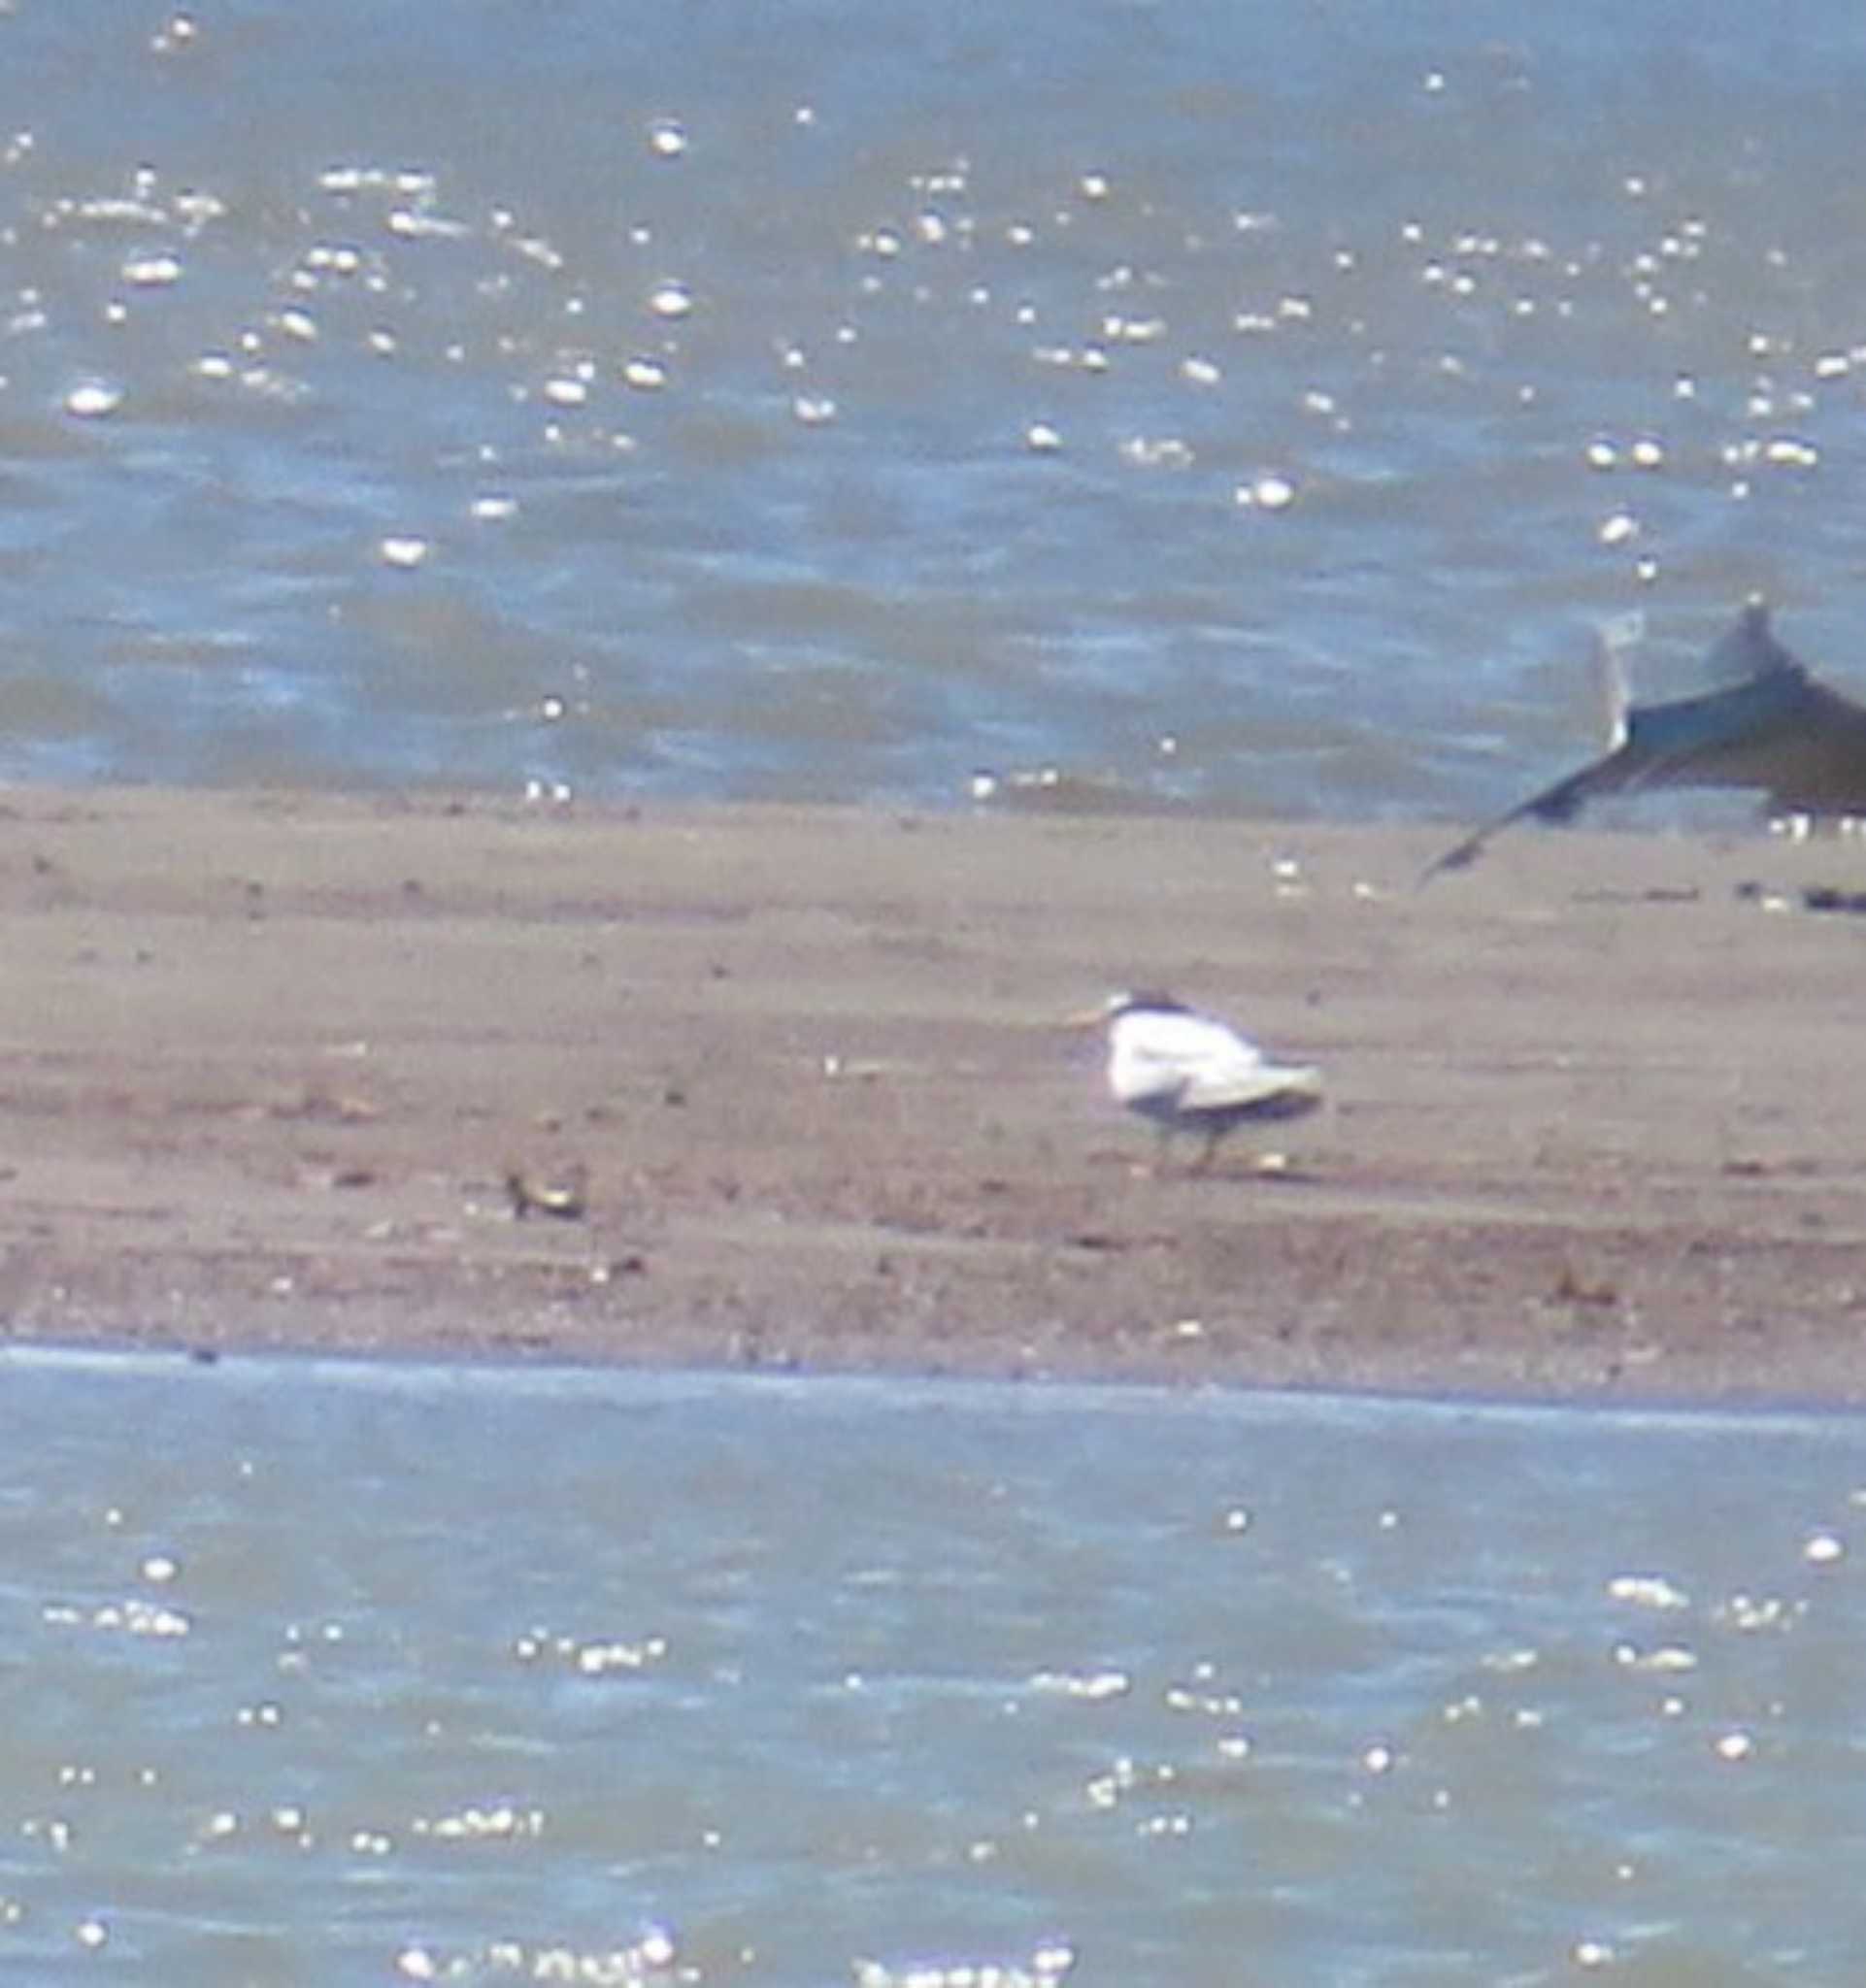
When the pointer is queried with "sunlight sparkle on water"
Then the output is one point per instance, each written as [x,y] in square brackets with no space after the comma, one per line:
[91,399]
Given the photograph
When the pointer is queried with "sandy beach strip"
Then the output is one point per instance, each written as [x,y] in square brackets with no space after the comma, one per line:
[788,1087]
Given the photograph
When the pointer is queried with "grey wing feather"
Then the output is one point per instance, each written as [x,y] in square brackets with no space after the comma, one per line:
[1771,727]
[1261,1083]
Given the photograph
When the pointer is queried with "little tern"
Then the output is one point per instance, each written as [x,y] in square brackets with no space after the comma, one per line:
[1191,1072]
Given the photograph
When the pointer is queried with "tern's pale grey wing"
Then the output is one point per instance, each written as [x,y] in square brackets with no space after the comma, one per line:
[1242,1089]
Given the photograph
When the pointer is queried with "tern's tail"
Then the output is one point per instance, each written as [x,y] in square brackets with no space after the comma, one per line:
[1296,1092]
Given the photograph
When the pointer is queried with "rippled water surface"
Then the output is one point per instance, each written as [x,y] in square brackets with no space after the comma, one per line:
[361,1675]
[1189,403]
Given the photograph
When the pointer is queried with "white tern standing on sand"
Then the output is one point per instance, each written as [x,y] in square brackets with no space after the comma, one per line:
[1190,1072]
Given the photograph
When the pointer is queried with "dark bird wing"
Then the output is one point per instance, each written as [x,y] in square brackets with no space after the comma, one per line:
[1771,727]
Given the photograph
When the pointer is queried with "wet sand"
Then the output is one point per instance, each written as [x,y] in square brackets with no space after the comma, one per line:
[789,1088]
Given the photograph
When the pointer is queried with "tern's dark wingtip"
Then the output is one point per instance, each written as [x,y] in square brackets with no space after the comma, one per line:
[1462,857]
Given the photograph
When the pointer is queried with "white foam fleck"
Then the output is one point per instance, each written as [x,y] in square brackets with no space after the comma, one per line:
[501,1821]
[152,270]
[417,223]
[405,552]
[594,1659]
[92,399]
[197,209]
[1268,492]
[132,1617]
[1788,451]
[1164,451]
[1752,1612]
[1647,1591]
[1664,1657]
[1094,1686]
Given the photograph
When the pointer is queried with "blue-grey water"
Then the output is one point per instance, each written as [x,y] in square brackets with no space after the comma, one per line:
[1237,406]
[357,1674]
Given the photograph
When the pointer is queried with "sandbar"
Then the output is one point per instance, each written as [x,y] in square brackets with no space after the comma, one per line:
[792,1087]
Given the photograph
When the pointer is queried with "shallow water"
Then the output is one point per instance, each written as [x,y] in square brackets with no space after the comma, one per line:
[1232,407]
[338,1674]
